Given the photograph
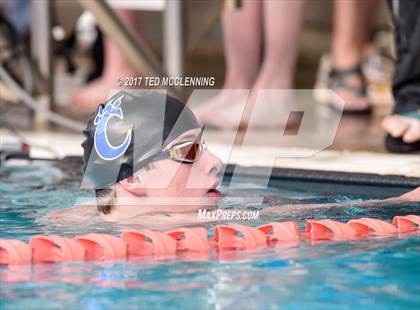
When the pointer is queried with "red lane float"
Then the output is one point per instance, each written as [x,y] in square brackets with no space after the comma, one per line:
[102,247]
[55,249]
[237,236]
[192,239]
[329,230]
[148,242]
[192,242]
[407,223]
[14,252]
[283,232]
[368,226]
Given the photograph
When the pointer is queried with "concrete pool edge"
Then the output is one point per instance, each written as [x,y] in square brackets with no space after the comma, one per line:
[297,174]
[358,178]
[262,155]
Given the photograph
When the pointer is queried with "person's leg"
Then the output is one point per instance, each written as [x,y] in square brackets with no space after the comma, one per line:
[282,29]
[242,48]
[351,24]
[242,44]
[404,131]
[89,96]
[351,31]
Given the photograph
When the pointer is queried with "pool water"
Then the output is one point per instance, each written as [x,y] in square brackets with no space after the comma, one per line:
[374,273]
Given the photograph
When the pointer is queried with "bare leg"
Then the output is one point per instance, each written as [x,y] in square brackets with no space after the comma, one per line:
[351,24]
[242,47]
[282,29]
[277,71]
[88,97]
[281,54]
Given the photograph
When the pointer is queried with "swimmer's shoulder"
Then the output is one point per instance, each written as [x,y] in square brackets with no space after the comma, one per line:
[79,212]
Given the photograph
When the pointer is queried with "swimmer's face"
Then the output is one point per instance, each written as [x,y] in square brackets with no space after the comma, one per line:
[185,186]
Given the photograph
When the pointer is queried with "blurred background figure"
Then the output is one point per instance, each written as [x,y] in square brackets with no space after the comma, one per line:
[18,13]
[403,126]
[345,71]
[261,43]
[351,34]
[87,98]
[15,20]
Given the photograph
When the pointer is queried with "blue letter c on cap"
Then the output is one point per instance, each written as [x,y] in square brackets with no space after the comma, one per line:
[103,147]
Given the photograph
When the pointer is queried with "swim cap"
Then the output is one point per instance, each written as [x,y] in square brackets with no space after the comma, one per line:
[126,133]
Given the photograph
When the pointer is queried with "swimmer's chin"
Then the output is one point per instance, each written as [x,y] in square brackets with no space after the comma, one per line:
[183,213]
[214,194]
[87,212]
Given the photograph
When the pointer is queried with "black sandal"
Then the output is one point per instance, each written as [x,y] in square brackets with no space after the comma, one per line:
[338,80]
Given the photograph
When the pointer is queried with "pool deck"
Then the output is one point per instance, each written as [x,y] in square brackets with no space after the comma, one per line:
[341,156]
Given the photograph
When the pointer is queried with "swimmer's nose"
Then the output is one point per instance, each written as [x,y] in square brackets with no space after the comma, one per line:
[211,163]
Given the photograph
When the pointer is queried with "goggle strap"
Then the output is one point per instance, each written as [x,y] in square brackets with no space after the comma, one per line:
[162,155]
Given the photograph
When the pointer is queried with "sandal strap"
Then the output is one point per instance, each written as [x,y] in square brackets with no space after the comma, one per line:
[338,79]
[343,73]
[411,114]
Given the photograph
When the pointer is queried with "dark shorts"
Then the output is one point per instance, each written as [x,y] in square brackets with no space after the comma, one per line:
[406,85]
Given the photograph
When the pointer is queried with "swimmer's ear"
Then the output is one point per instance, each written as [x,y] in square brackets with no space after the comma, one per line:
[133,185]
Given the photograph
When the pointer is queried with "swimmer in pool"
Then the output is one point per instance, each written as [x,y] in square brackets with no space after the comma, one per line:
[142,153]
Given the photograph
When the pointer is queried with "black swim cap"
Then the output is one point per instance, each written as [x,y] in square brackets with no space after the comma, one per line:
[126,133]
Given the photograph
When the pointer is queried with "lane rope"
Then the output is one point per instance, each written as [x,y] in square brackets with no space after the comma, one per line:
[193,242]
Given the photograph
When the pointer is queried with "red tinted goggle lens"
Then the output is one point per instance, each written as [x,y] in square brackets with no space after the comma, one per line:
[189,152]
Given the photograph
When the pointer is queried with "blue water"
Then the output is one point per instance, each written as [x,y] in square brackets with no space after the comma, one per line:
[375,273]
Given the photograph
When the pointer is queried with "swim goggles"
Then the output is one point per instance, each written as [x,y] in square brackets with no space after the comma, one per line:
[184,152]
